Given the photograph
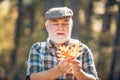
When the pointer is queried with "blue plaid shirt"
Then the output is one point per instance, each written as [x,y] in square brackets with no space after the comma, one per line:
[42,57]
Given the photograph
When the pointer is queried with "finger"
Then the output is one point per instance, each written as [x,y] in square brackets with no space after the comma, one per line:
[68,69]
[70,59]
[75,62]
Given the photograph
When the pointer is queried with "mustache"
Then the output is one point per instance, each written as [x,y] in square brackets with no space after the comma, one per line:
[61,32]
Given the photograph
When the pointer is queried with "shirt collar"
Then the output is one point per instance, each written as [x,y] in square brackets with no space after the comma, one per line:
[52,44]
[52,47]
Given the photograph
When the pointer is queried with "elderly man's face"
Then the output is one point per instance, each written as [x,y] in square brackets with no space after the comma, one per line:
[59,30]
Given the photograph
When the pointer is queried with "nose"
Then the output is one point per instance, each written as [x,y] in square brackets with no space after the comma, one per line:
[60,27]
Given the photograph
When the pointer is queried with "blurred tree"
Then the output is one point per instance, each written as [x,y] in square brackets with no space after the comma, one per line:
[82,19]
[75,6]
[31,12]
[115,63]
[13,57]
[105,40]
[85,28]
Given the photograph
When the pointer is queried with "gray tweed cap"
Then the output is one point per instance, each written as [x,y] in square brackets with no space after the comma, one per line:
[58,12]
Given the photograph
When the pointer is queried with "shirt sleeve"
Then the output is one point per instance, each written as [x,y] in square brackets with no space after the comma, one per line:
[34,62]
[88,62]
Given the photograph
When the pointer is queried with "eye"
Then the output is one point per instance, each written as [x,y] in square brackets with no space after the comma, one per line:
[55,23]
[65,24]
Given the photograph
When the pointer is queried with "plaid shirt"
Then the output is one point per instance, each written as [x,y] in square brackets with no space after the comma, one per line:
[42,57]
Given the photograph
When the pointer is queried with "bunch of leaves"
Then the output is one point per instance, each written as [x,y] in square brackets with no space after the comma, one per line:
[70,51]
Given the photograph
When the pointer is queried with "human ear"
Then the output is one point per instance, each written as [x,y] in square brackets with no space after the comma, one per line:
[46,25]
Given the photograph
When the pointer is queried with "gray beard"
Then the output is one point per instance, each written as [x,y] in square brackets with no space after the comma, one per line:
[59,40]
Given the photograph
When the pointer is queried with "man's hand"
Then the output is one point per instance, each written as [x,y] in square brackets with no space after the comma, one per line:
[69,66]
[65,66]
[76,66]
[78,72]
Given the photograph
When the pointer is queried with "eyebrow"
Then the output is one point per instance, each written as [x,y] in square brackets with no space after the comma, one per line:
[53,20]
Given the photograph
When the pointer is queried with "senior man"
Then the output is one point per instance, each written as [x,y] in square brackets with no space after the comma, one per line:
[43,61]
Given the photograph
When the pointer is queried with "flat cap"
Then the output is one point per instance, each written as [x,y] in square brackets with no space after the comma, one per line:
[58,12]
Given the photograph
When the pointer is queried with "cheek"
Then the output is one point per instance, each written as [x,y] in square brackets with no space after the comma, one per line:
[50,29]
[67,29]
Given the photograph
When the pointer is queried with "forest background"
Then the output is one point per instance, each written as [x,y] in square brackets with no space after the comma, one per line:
[96,23]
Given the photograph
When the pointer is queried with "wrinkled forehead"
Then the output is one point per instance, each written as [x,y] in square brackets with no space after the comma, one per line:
[65,19]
